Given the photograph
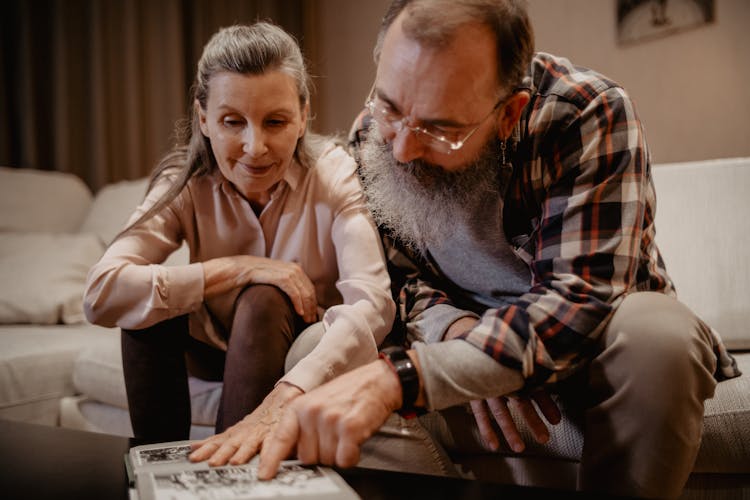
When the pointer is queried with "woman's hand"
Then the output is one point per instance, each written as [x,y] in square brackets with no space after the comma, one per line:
[226,273]
[240,442]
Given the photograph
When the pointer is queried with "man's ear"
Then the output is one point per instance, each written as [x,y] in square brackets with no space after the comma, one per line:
[511,111]
[198,110]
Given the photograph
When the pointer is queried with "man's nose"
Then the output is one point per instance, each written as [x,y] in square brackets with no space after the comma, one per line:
[406,146]
[254,142]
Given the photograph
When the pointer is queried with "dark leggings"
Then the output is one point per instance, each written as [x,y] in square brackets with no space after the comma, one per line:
[157,359]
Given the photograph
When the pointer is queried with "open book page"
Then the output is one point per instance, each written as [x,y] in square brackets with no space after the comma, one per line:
[163,471]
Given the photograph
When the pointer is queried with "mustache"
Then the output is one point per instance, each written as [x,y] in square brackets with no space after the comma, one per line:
[418,200]
[419,169]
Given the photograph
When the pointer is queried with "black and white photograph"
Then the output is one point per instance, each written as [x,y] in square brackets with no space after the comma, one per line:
[167,454]
[294,480]
[641,20]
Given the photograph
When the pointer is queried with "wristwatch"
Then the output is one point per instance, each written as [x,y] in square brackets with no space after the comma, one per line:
[402,365]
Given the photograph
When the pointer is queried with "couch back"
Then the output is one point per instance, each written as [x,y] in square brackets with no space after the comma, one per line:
[111,209]
[702,224]
[703,232]
[41,200]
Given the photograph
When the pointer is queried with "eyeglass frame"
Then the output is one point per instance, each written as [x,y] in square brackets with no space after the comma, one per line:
[419,131]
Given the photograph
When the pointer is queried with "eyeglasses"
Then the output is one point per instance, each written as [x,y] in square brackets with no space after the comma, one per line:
[436,138]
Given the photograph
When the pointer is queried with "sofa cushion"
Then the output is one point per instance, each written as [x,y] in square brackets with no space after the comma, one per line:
[703,232]
[44,275]
[41,200]
[112,207]
[98,374]
[87,414]
[726,436]
[36,367]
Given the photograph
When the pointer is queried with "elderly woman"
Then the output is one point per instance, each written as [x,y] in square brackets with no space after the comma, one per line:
[280,241]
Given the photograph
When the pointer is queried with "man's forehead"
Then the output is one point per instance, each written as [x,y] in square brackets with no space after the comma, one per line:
[463,69]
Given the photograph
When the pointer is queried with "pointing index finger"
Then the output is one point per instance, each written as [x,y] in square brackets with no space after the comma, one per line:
[278,445]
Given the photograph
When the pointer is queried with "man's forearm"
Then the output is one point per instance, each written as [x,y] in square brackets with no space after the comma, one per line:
[455,372]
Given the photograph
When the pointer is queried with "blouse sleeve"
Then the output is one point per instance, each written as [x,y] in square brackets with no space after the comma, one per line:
[129,287]
[355,328]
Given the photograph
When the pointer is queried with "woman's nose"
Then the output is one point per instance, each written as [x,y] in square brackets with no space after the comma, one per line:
[254,142]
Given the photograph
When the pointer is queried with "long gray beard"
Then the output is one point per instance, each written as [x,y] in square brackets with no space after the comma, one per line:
[419,202]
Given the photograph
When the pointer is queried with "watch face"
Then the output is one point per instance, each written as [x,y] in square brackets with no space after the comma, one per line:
[639,20]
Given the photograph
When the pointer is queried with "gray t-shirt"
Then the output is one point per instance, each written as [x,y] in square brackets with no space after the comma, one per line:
[477,258]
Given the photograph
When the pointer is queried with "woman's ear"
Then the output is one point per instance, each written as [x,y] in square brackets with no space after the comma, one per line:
[510,112]
[305,113]
[198,110]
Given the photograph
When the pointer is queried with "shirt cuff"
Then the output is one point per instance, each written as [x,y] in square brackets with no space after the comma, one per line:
[184,284]
[432,323]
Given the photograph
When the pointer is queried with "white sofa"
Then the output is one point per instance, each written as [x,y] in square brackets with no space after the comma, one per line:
[56,369]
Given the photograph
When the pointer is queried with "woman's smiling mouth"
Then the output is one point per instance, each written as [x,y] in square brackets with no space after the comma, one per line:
[255,169]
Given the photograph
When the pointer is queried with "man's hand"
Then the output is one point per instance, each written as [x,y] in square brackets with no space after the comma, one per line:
[498,408]
[329,424]
[241,442]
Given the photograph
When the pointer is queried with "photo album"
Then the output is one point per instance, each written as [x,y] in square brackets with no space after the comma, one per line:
[163,471]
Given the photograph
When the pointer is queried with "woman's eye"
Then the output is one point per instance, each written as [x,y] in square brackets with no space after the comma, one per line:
[276,122]
[232,122]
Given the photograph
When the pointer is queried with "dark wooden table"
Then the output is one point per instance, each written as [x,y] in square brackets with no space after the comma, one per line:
[40,462]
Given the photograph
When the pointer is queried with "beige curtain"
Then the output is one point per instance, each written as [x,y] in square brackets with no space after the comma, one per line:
[95,87]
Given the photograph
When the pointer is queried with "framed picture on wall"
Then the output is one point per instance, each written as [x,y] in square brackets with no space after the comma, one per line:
[639,20]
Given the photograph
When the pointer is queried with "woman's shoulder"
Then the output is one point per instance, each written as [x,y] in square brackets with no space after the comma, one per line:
[197,187]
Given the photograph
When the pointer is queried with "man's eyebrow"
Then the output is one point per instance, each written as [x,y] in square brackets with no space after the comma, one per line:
[434,122]
[381,95]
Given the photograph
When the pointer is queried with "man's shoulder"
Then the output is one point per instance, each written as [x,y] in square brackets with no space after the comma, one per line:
[333,177]
[550,76]
[334,163]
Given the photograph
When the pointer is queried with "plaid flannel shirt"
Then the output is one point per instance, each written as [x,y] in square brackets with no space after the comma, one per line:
[579,210]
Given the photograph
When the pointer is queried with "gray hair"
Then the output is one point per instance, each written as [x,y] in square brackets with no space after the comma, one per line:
[434,23]
[255,50]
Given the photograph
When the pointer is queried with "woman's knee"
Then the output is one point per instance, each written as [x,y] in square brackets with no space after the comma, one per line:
[263,315]
[263,301]
[263,305]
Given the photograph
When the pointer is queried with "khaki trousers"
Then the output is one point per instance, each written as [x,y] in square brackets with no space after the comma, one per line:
[639,404]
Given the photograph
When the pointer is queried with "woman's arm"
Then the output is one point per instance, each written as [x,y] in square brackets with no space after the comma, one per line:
[128,287]
[355,328]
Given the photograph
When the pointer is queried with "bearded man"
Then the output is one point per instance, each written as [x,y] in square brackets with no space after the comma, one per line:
[516,205]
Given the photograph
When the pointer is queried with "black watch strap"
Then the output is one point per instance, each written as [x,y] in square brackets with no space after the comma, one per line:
[402,365]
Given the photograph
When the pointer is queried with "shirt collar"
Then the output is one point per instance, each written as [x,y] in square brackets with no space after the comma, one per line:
[293,174]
